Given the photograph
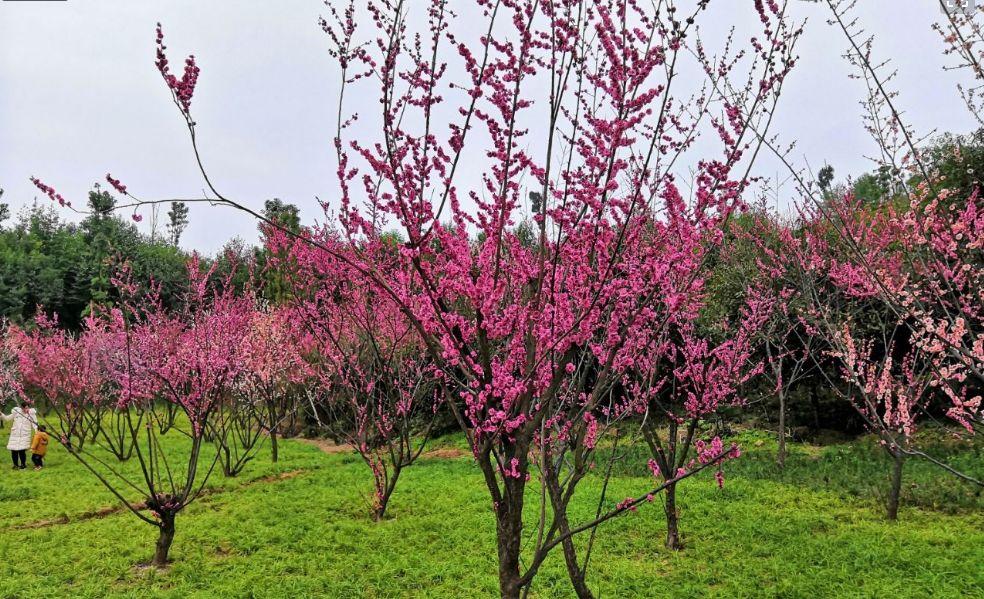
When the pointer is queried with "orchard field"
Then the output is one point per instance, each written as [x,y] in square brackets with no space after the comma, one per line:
[300,528]
[554,307]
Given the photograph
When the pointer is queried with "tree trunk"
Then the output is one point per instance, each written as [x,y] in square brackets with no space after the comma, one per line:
[508,508]
[509,530]
[781,458]
[274,426]
[898,460]
[573,571]
[576,574]
[509,533]
[164,541]
[384,498]
[815,403]
[672,519]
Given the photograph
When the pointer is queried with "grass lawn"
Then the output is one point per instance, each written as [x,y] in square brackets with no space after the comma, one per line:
[300,529]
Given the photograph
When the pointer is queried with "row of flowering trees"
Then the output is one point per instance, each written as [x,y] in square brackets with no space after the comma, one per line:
[885,295]
[547,277]
[222,374]
[891,295]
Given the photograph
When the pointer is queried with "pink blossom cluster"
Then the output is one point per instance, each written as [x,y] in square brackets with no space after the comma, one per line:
[184,88]
[51,193]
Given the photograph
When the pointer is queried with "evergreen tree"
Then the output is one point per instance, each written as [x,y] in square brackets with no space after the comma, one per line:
[177,221]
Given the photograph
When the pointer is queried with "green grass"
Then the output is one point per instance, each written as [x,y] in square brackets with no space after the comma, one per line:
[815,530]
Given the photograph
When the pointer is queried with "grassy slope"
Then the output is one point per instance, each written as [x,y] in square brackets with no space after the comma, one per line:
[815,531]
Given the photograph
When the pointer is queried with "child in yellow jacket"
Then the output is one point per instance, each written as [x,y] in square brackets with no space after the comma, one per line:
[39,448]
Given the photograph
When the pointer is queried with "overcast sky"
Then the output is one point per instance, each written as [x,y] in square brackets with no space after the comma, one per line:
[80,97]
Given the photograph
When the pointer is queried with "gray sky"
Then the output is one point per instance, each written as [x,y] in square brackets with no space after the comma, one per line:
[80,97]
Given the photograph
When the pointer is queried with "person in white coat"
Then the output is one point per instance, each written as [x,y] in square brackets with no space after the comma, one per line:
[21,433]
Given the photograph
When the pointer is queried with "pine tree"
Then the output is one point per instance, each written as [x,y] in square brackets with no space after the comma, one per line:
[177,221]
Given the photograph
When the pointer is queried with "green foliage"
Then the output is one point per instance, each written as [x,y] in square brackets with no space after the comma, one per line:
[958,160]
[299,528]
[872,187]
[733,268]
[237,263]
[67,268]
[4,210]
[825,177]
[282,213]
[275,279]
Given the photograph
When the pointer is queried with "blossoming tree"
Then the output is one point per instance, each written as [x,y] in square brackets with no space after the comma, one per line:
[855,268]
[274,351]
[62,373]
[376,387]
[567,116]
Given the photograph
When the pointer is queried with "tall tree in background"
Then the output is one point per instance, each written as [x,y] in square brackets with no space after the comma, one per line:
[284,214]
[47,261]
[273,264]
[4,209]
[177,221]
[104,234]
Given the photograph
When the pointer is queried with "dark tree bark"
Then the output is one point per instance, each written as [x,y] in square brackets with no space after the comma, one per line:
[274,425]
[672,520]
[574,572]
[508,501]
[509,529]
[815,404]
[164,540]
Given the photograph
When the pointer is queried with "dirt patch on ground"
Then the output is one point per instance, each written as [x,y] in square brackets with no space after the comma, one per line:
[327,446]
[102,512]
[281,476]
[447,453]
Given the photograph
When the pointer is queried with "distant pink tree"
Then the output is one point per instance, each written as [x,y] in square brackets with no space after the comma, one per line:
[897,317]
[678,390]
[63,373]
[917,250]
[376,387]
[10,384]
[274,352]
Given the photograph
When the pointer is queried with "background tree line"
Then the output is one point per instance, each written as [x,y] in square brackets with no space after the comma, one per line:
[65,266]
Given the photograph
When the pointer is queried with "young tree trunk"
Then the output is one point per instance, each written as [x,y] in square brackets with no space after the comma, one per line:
[274,449]
[380,511]
[815,403]
[898,460]
[672,519]
[560,501]
[164,541]
[229,469]
[781,458]
[573,571]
